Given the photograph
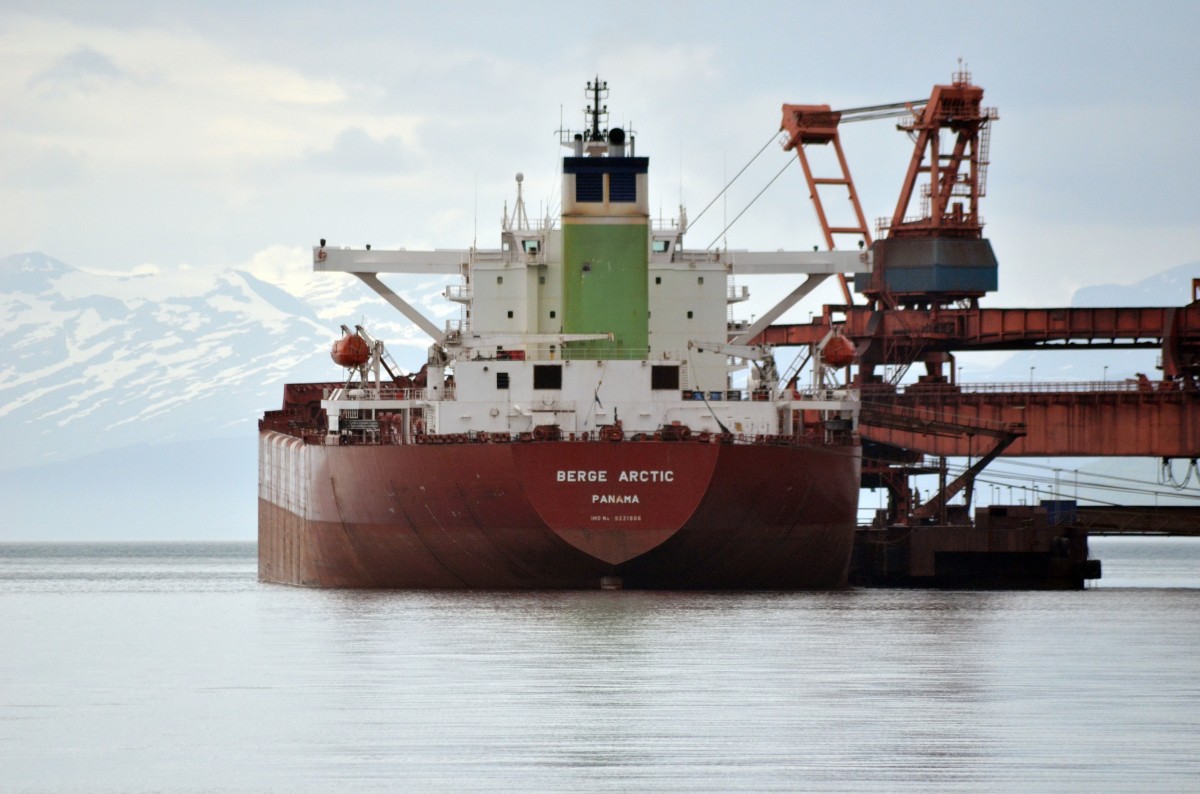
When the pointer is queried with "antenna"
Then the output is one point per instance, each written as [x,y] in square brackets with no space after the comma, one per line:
[520,219]
[596,112]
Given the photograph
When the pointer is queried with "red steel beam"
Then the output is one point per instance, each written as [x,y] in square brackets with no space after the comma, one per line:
[901,336]
[1115,419]
[1000,329]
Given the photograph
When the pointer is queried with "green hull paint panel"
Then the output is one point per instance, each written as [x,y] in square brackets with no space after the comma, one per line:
[605,288]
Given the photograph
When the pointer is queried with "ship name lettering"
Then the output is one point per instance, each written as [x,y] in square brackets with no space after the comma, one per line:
[582,475]
[656,475]
[615,499]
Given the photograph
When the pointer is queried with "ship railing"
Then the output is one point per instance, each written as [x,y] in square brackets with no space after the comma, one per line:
[824,395]
[389,394]
[459,292]
[725,395]
[585,352]
[449,393]
[580,351]
[664,224]
[575,352]
[1026,387]
[541,225]
[389,435]
[766,395]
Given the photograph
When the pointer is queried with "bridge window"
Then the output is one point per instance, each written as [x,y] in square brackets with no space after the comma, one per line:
[622,187]
[547,376]
[501,380]
[589,187]
[664,377]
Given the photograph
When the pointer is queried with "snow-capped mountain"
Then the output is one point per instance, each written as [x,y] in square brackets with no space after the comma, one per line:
[92,361]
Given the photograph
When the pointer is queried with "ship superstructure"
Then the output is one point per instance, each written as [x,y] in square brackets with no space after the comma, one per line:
[595,361]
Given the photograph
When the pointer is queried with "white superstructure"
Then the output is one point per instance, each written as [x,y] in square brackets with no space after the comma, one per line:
[507,366]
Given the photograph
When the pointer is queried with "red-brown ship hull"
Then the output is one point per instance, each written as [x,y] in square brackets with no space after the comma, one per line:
[556,514]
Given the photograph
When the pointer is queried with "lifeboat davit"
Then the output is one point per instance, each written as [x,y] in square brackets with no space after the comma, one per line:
[839,352]
[351,351]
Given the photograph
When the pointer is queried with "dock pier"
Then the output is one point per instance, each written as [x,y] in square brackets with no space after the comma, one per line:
[1007,547]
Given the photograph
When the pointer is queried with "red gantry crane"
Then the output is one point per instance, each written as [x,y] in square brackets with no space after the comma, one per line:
[932,265]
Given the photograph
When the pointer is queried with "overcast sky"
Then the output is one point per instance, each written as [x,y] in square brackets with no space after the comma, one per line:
[159,134]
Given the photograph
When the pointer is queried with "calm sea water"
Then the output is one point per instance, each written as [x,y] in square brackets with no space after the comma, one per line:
[170,668]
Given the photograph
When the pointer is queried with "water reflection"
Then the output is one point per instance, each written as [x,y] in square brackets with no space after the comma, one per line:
[687,685]
[144,665]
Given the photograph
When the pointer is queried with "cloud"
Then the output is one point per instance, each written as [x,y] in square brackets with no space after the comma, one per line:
[659,67]
[176,132]
[289,267]
[85,70]
[43,167]
[356,150]
[156,100]
[187,134]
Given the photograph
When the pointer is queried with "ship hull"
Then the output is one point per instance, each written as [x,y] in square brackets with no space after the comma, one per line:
[556,514]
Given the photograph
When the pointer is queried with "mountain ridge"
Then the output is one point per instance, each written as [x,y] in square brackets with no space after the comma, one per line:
[153,357]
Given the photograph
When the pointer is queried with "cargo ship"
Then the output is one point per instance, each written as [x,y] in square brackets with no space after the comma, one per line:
[594,418]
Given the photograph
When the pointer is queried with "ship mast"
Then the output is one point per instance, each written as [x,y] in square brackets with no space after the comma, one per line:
[598,90]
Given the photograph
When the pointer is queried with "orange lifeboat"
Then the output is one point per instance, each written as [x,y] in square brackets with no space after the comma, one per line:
[839,352]
[351,351]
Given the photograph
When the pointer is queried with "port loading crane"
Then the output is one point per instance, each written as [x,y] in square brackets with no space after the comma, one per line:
[932,268]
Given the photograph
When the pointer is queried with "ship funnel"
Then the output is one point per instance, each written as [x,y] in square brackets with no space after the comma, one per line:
[616,142]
